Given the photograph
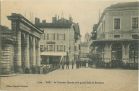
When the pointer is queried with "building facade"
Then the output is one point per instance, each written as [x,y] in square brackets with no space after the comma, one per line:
[84,53]
[20,47]
[7,52]
[117,36]
[85,50]
[60,42]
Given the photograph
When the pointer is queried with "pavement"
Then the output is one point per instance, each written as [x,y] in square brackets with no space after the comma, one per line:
[83,79]
[8,75]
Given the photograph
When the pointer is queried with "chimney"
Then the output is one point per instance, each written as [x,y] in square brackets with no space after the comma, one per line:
[43,21]
[37,20]
[54,19]
[70,19]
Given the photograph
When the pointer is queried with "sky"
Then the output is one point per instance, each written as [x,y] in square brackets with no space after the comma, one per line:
[84,12]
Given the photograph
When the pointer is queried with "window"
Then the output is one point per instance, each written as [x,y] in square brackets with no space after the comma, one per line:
[41,48]
[75,48]
[133,52]
[43,37]
[61,36]
[135,23]
[117,23]
[116,36]
[135,36]
[50,47]
[79,47]
[60,48]
[51,36]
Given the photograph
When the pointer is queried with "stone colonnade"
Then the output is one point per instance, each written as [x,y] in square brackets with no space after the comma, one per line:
[27,52]
[27,45]
[107,52]
[117,53]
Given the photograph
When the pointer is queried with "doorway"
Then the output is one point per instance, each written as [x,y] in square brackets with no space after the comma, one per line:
[116,55]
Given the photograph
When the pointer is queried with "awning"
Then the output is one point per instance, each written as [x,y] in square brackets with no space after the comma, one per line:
[53,53]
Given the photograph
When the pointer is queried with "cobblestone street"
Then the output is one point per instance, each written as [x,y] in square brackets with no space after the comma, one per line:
[83,79]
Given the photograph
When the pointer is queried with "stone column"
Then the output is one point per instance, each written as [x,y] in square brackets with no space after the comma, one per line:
[34,52]
[18,54]
[48,61]
[125,53]
[33,55]
[31,51]
[38,53]
[38,61]
[27,60]
[107,53]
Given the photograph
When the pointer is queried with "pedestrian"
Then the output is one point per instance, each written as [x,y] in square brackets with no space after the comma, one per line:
[72,64]
[67,64]
[77,64]
[63,63]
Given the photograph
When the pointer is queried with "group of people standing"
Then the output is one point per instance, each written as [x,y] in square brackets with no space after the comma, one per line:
[65,64]
[70,65]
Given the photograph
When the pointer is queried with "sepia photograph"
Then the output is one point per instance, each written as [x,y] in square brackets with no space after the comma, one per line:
[69,45]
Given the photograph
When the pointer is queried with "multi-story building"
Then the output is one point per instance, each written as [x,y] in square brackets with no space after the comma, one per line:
[87,37]
[84,53]
[117,39]
[60,41]
[7,52]
[84,50]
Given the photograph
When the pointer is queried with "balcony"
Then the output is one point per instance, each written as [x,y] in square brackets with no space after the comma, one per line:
[118,35]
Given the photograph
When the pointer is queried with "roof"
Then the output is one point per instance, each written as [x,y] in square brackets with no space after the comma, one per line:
[60,23]
[21,18]
[124,5]
[54,25]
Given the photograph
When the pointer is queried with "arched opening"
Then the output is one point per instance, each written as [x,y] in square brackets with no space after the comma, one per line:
[116,55]
[100,56]
[133,55]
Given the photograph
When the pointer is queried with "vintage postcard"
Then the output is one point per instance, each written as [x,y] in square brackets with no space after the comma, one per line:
[69,45]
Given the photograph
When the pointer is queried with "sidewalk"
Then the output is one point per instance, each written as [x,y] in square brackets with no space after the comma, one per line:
[8,75]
